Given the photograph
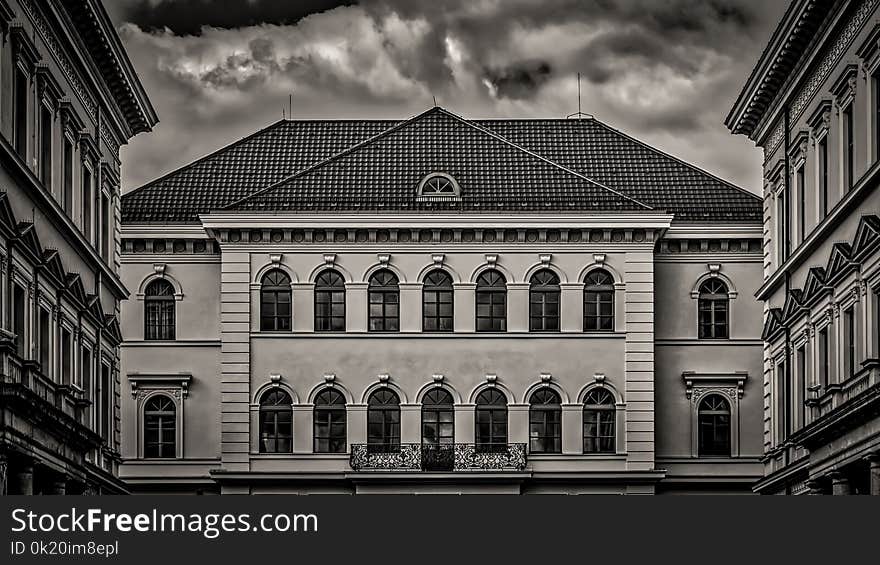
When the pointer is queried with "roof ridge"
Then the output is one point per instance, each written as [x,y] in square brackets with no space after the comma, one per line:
[403,123]
[678,160]
[205,157]
[329,159]
[545,159]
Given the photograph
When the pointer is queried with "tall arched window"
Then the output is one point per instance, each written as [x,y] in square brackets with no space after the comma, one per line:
[599,302]
[383,422]
[159,310]
[491,421]
[437,302]
[275,302]
[384,313]
[713,307]
[599,419]
[330,422]
[438,430]
[545,422]
[329,302]
[160,428]
[714,426]
[491,302]
[544,302]
[276,422]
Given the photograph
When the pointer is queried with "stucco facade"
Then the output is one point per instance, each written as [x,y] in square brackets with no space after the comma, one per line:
[68,99]
[222,362]
[814,108]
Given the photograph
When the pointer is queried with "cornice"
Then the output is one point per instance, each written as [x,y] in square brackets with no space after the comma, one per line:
[647,220]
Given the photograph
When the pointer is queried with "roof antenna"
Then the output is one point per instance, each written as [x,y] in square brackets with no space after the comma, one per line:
[435,100]
[579,114]
[290,104]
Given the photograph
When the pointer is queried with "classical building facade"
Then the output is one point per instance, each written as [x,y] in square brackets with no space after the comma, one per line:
[441,305]
[68,99]
[813,105]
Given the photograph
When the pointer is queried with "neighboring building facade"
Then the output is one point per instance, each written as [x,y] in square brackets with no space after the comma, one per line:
[813,105]
[69,98]
[441,305]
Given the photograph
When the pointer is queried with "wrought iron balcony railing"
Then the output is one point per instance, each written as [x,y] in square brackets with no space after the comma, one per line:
[438,458]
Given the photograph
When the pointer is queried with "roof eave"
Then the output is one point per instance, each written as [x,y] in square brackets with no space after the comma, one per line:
[780,57]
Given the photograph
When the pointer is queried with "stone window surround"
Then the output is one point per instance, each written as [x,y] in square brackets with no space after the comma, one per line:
[173,385]
[731,386]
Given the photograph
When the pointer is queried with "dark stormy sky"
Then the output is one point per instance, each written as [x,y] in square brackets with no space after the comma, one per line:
[665,71]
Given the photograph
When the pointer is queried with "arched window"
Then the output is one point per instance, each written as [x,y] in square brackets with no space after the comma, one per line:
[384,313]
[491,422]
[713,306]
[437,302]
[599,418]
[160,428]
[544,302]
[276,422]
[275,302]
[159,310]
[438,431]
[545,422]
[329,302]
[383,422]
[330,422]
[714,426]
[491,302]
[599,302]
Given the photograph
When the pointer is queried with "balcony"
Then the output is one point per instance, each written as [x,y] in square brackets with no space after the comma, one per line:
[838,394]
[458,457]
[25,389]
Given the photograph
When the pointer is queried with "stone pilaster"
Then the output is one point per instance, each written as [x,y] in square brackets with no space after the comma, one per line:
[639,358]
[874,470]
[839,484]
[356,307]
[572,307]
[518,307]
[235,361]
[24,478]
[465,423]
[465,307]
[303,307]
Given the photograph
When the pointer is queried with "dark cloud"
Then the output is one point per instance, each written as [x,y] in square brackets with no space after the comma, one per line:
[519,80]
[188,17]
[665,71]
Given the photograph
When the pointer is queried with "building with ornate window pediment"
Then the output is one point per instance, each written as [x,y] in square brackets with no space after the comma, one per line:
[441,305]
[813,105]
[69,97]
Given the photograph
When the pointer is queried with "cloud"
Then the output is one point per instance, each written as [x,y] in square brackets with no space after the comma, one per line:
[663,71]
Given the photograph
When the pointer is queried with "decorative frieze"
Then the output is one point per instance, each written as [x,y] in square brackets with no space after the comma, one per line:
[714,246]
[64,63]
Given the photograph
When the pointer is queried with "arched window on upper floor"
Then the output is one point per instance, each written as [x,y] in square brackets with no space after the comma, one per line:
[159,311]
[713,306]
[276,303]
[599,302]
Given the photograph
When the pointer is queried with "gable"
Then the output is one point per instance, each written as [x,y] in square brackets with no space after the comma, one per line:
[112,330]
[75,288]
[27,236]
[814,285]
[772,324]
[839,262]
[867,237]
[793,305]
[384,173]
[52,264]
[7,218]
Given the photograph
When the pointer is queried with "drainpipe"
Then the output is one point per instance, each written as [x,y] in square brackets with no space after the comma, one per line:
[787,404]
